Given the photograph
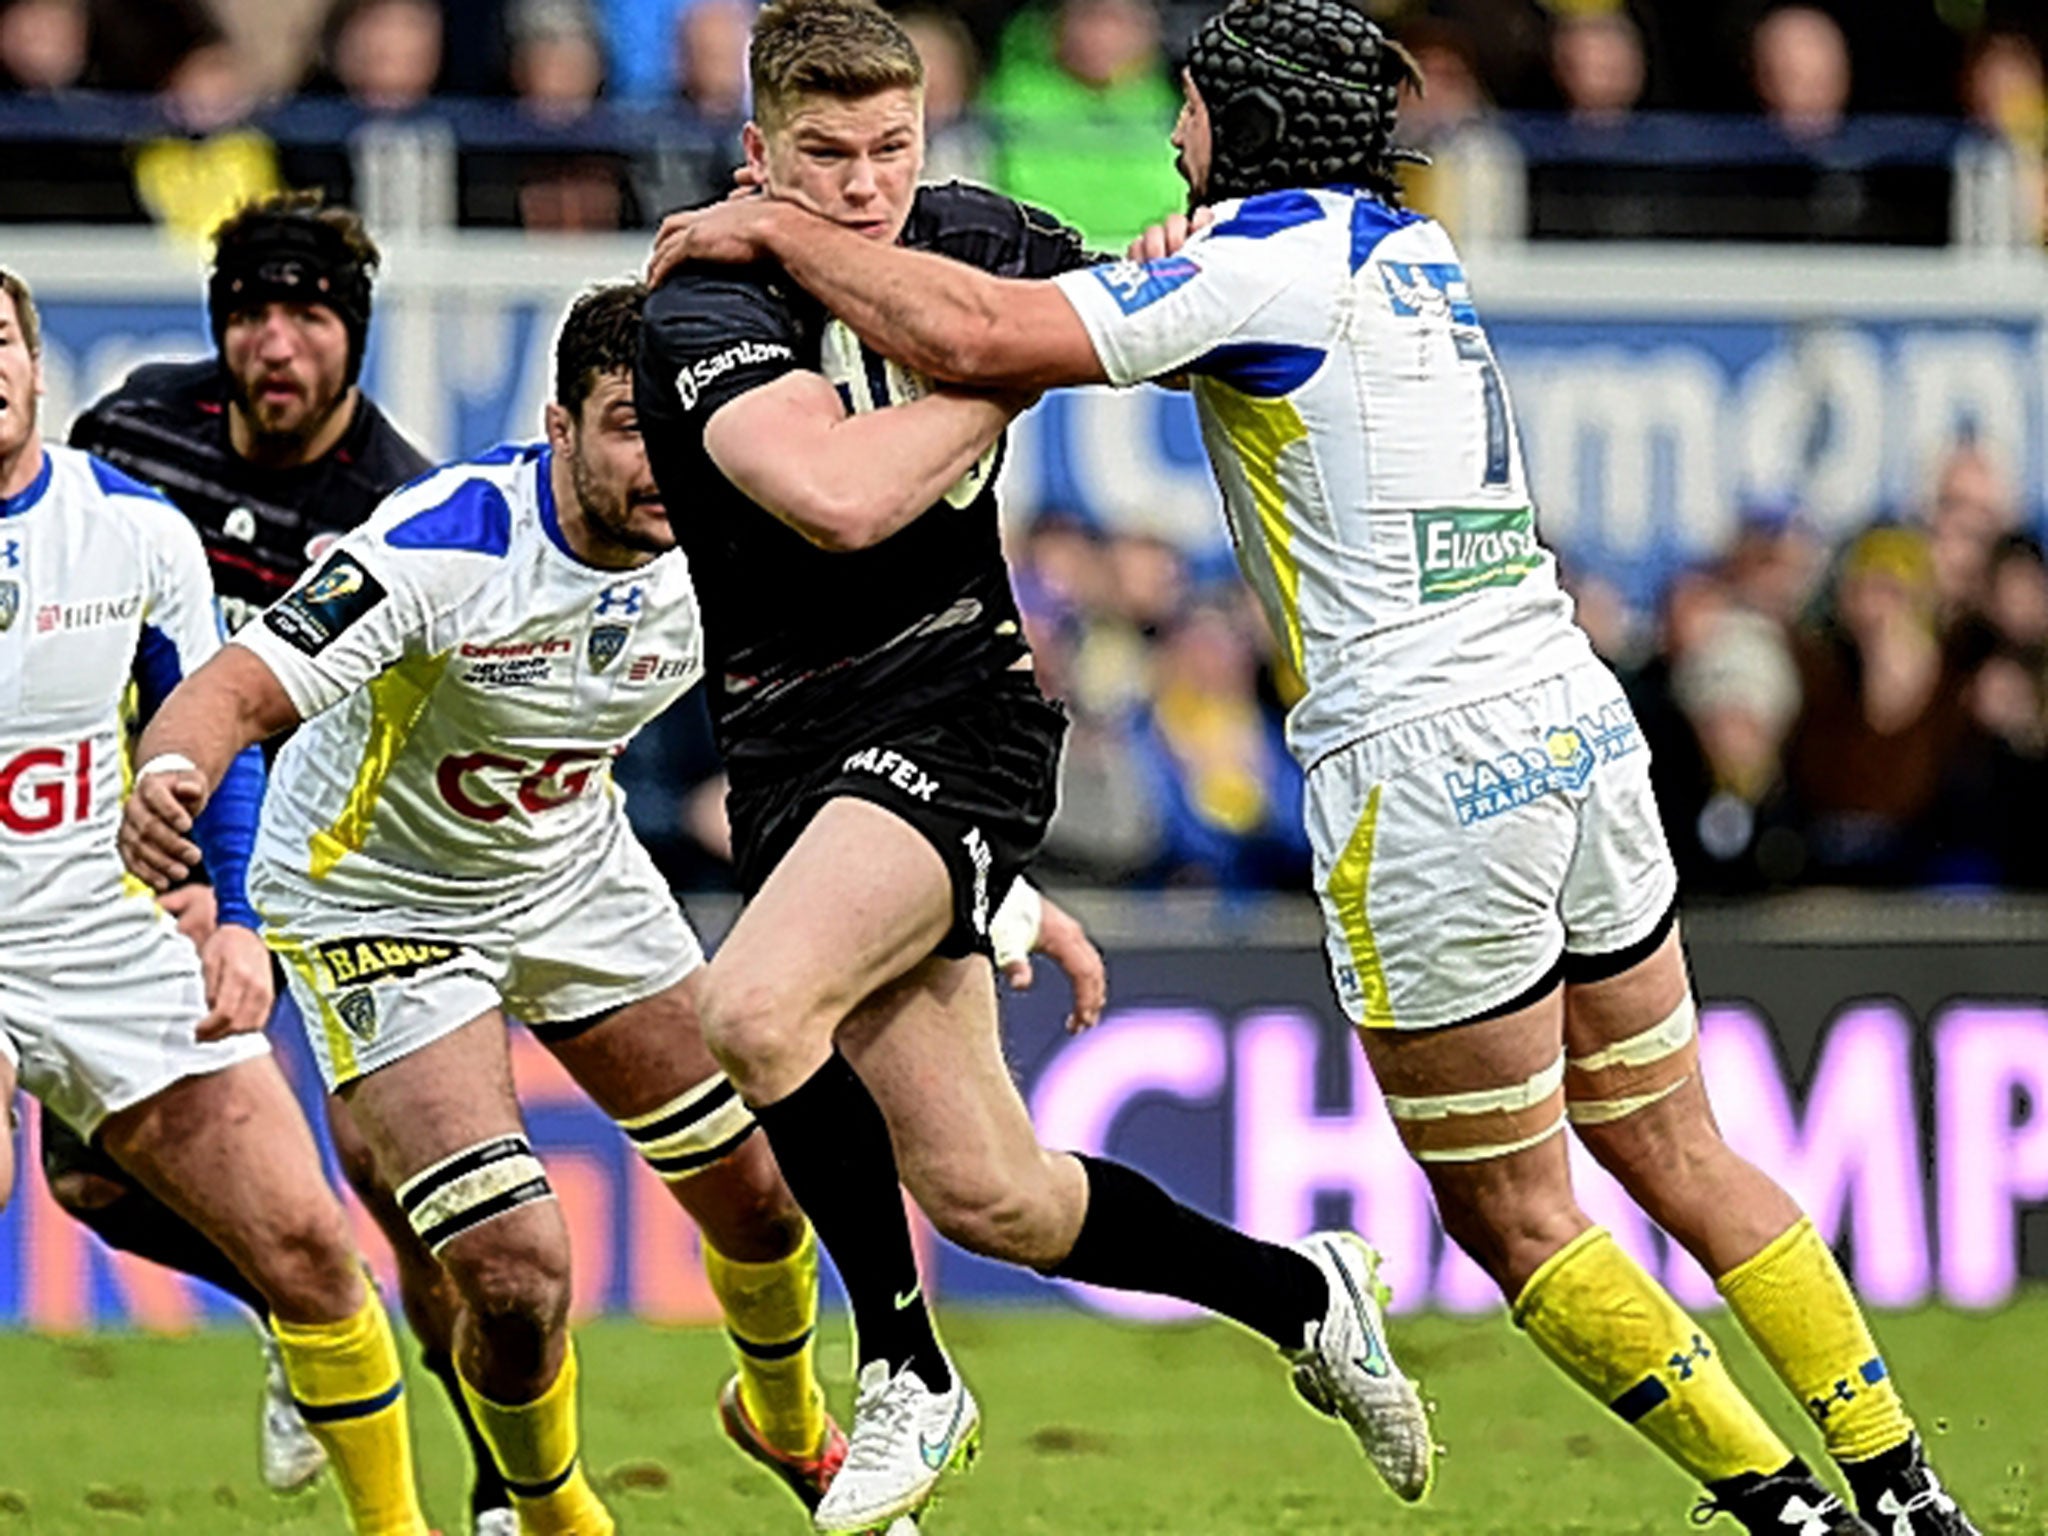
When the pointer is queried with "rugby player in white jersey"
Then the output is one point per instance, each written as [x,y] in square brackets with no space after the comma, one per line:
[442,844]
[113,1018]
[1499,898]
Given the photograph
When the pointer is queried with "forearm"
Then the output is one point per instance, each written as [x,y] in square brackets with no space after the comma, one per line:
[902,461]
[933,313]
[210,719]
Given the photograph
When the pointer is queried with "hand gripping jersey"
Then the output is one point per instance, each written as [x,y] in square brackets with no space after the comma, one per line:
[1361,434]
[101,582]
[167,425]
[466,682]
[809,649]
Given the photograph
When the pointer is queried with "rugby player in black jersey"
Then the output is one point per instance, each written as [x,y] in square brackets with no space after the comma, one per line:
[892,768]
[272,449]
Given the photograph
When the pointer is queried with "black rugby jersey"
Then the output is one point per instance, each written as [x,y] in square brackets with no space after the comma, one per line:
[167,425]
[805,647]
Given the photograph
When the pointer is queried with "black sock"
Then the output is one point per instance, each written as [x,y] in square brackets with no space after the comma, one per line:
[143,1225]
[833,1147]
[487,1488]
[1137,1237]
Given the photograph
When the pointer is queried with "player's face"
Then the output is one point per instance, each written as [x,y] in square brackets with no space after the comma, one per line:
[289,364]
[615,489]
[21,381]
[1191,139]
[855,161]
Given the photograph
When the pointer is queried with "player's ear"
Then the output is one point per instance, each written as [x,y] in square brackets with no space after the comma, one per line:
[755,143]
[561,428]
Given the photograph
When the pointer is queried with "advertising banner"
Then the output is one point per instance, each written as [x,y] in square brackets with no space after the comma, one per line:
[1899,1091]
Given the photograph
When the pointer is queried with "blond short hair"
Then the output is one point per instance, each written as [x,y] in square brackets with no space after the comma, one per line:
[843,48]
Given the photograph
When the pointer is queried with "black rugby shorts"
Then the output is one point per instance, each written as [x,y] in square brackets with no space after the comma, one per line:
[977,775]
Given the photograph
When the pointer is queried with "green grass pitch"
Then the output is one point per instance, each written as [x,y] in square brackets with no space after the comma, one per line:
[1093,1429]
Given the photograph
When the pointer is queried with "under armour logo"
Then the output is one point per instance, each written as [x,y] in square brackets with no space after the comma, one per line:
[626,600]
[1933,1497]
[11,553]
[1684,1363]
[1808,1519]
[1821,1407]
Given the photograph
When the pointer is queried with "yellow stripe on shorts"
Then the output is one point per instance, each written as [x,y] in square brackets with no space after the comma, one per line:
[341,1050]
[1349,878]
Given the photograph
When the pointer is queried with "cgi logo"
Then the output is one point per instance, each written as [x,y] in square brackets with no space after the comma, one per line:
[43,788]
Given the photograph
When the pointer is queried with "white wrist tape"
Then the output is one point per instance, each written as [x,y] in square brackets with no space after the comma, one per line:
[167,762]
[1013,931]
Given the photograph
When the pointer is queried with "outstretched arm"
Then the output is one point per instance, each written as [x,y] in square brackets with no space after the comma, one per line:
[940,316]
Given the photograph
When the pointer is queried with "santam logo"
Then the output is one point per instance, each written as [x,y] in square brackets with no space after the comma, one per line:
[691,381]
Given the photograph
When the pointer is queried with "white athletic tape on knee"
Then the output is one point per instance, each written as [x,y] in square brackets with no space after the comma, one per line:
[1492,1122]
[478,1184]
[1630,1075]
[693,1130]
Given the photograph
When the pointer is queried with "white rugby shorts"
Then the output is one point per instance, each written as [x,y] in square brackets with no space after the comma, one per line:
[376,983]
[105,1019]
[1461,856]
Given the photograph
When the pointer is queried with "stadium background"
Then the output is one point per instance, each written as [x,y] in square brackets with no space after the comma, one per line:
[1782,374]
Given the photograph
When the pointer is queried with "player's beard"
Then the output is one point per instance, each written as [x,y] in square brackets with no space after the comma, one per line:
[307,426]
[610,513]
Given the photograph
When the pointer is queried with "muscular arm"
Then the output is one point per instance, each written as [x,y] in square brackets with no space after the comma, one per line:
[849,481]
[940,316]
[227,706]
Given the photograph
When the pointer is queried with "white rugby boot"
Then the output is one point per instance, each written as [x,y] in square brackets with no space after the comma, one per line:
[904,1439]
[1346,1368]
[291,1457]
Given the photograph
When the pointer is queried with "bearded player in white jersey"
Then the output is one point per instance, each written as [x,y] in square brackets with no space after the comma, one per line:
[107,1013]
[443,845]
[1499,897]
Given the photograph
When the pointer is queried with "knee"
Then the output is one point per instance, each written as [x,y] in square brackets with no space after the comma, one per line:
[1510,1239]
[82,1194]
[307,1266]
[757,1032]
[513,1275]
[1659,1147]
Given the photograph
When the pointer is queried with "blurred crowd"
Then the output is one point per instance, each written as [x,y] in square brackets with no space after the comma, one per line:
[1066,102]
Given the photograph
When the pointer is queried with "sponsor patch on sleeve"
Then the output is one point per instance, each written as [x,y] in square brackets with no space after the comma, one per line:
[693,380]
[310,616]
[1136,285]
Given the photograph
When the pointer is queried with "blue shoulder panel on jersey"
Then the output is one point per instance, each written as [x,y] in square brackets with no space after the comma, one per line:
[1267,369]
[1371,222]
[117,482]
[21,501]
[476,517]
[1268,213]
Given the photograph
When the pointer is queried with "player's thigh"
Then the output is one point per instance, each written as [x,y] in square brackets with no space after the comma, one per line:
[860,897]
[929,1049]
[450,1094]
[1633,1079]
[1440,851]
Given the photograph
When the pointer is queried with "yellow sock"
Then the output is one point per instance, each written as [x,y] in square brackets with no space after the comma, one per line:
[1618,1334]
[1796,1304]
[771,1320]
[346,1380]
[535,1447]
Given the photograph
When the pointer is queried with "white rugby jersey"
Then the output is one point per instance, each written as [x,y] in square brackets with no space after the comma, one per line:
[1360,432]
[466,682]
[102,582]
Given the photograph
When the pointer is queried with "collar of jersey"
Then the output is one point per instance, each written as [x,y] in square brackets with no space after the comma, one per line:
[14,506]
[544,467]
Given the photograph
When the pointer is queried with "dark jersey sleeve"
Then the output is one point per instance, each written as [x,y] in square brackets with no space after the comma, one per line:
[708,339]
[995,233]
